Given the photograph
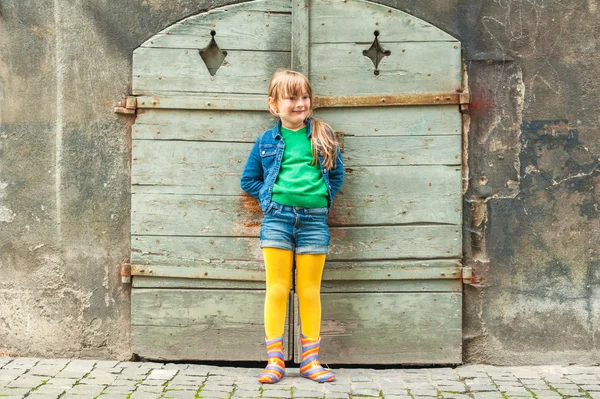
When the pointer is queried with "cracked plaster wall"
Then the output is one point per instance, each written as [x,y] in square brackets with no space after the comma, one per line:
[531,209]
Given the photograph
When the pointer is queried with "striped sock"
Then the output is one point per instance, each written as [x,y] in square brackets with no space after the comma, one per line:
[275,367]
[310,366]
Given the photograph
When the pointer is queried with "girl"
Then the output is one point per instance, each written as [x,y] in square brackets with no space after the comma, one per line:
[294,170]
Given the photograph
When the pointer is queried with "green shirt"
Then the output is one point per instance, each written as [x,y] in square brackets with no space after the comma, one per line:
[299,182]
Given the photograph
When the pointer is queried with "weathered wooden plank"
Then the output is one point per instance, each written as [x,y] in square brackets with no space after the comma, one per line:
[415,121]
[334,271]
[203,102]
[217,252]
[300,36]
[326,286]
[392,286]
[206,215]
[177,282]
[201,125]
[234,30]
[342,69]
[211,125]
[355,21]
[163,69]
[395,242]
[166,324]
[347,243]
[390,328]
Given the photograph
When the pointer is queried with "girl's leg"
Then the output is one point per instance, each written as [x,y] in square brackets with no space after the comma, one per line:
[309,270]
[278,267]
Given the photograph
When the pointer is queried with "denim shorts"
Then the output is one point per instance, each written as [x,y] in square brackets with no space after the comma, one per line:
[304,230]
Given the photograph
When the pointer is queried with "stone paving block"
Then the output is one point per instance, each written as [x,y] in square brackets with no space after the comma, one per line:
[46,371]
[592,387]
[113,396]
[120,389]
[150,388]
[133,365]
[154,382]
[547,394]
[570,392]
[87,390]
[143,395]
[215,387]
[365,385]
[214,394]
[487,395]
[25,381]
[22,363]
[61,382]
[483,388]
[362,392]
[361,378]
[460,388]
[5,360]
[14,391]
[47,395]
[422,397]
[593,395]
[279,394]
[424,392]
[514,391]
[336,395]
[97,381]
[398,397]
[447,395]
[106,363]
[180,394]
[250,393]
[564,385]
[10,374]
[71,374]
[159,374]
[176,366]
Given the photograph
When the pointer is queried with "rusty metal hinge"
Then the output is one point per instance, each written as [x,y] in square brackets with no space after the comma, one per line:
[467,275]
[125,268]
[129,108]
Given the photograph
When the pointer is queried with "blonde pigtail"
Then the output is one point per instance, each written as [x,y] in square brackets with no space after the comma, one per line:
[323,140]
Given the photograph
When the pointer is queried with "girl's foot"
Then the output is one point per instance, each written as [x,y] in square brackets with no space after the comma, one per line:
[275,367]
[310,367]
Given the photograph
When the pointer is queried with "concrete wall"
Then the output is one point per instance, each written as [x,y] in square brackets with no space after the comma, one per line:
[532,230]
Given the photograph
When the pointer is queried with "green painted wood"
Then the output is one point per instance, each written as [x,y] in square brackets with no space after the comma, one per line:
[246,72]
[347,243]
[199,324]
[175,282]
[335,271]
[201,125]
[342,69]
[327,286]
[203,101]
[355,21]
[266,25]
[390,328]
[422,120]
[392,286]
[175,124]
[300,36]
[172,214]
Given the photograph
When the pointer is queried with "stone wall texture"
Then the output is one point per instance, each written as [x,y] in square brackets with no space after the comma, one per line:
[531,226]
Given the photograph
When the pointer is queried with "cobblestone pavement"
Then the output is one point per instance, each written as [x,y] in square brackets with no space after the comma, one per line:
[65,378]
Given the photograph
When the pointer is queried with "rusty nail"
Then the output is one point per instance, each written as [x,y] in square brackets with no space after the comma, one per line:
[211,130]
[324,77]
[442,274]
[429,129]
[184,158]
[456,209]
[429,184]
[184,213]
[377,185]
[428,73]
[404,50]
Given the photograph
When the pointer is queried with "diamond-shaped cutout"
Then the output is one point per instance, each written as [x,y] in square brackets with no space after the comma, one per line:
[376,53]
[212,55]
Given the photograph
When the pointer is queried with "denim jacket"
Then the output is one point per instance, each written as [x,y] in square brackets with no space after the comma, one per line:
[263,165]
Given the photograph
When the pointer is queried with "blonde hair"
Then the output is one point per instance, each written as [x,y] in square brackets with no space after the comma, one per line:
[286,82]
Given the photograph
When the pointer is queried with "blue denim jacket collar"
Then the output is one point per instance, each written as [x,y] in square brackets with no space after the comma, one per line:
[276,130]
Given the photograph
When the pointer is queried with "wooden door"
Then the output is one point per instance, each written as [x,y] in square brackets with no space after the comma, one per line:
[392,287]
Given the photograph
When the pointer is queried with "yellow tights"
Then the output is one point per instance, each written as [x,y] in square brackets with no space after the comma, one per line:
[309,270]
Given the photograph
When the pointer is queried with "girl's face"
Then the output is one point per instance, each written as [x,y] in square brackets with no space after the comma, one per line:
[292,109]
